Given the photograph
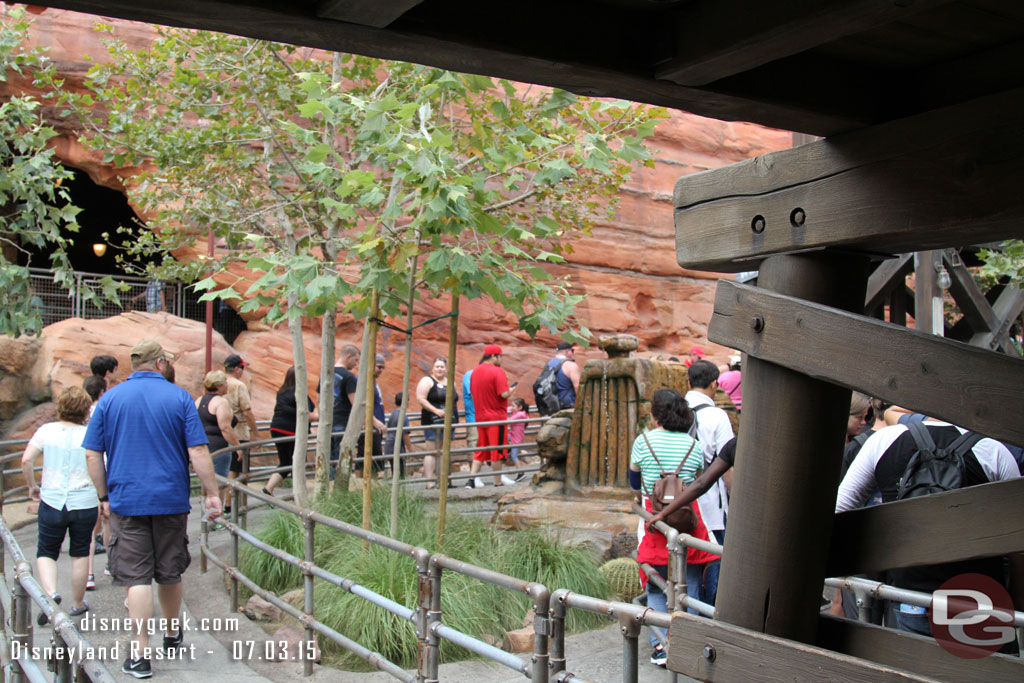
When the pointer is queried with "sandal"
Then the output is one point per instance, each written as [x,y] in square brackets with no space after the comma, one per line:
[431,485]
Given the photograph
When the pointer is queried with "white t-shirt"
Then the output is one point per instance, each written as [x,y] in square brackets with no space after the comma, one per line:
[66,479]
[713,431]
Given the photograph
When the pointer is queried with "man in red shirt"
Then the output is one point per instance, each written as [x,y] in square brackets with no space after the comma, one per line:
[490,390]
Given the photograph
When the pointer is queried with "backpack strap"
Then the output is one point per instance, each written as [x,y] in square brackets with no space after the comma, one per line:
[862,438]
[965,443]
[922,438]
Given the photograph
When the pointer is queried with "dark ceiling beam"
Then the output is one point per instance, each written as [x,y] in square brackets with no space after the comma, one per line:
[377,13]
[721,38]
[297,23]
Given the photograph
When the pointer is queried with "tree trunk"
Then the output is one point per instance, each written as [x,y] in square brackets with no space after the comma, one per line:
[355,419]
[449,409]
[328,330]
[371,388]
[302,407]
[404,408]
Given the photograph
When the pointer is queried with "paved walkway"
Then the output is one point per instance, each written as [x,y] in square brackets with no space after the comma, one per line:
[217,635]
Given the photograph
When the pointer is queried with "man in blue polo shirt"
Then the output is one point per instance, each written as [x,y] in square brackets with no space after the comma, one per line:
[151,431]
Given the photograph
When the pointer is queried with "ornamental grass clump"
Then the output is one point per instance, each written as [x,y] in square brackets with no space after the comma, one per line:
[473,607]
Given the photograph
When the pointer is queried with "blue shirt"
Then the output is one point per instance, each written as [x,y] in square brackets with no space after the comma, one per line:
[467,398]
[146,425]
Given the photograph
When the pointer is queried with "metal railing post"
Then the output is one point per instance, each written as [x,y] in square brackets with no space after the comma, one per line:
[556,661]
[630,628]
[423,603]
[541,629]
[21,620]
[62,665]
[307,662]
[204,542]
[234,566]
[241,499]
[433,617]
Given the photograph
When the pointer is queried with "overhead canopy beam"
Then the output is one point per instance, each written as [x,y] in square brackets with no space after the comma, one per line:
[942,179]
[1006,309]
[481,43]
[973,387]
[720,38]
[888,276]
[977,521]
[378,13]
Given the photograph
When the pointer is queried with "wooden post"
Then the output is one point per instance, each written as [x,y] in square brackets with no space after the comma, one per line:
[788,460]
[927,297]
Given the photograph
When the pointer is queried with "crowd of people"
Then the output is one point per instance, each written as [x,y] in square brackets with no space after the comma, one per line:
[97,491]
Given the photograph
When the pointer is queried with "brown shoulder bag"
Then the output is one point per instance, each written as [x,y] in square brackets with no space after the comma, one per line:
[669,487]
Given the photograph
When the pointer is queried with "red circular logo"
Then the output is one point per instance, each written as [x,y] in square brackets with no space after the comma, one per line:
[972,616]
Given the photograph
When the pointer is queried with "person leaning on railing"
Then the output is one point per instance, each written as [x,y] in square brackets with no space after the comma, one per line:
[68,503]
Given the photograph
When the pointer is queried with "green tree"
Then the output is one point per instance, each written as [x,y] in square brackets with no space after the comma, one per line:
[36,212]
[358,184]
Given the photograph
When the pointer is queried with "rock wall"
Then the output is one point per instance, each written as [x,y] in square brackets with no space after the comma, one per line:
[627,268]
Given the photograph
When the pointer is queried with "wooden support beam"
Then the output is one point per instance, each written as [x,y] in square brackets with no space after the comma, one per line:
[969,386]
[928,305]
[486,45]
[978,521]
[911,652]
[720,38]
[377,13]
[710,650]
[941,179]
[1007,308]
[888,276]
[779,527]
[968,295]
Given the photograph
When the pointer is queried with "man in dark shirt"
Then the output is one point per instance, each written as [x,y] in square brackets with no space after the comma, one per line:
[344,397]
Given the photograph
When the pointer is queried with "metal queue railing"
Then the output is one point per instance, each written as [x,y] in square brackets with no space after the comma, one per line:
[16,646]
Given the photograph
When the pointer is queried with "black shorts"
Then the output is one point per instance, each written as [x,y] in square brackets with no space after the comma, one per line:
[147,548]
[54,524]
[377,465]
[236,459]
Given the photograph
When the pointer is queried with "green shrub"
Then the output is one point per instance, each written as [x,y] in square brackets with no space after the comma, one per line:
[471,606]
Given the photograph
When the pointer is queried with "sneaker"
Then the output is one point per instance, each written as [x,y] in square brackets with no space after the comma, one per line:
[98,547]
[659,657]
[520,477]
[42,619]
[138,668]
[75,611]
[469,484]
[106,571]
[217,526]
[90,583]
[173,642]
[269,493]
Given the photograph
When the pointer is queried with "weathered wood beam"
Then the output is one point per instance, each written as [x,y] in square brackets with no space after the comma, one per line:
[968,296]
[912,652]
[941,179]
[779,526]
[1007,308]
[378,13]
[970,386]
[474,48]
[720,38]
[978,521]
[711,650]
[888,276]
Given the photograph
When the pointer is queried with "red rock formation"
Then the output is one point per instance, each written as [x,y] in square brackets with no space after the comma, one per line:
[627,267]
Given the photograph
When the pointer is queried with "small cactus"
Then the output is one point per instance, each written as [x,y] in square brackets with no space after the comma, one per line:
[623,576]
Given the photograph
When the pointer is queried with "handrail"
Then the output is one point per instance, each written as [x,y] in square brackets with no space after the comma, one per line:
[17,604]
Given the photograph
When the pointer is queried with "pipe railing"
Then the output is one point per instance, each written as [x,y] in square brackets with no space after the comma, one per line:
[16,620]
[426,616]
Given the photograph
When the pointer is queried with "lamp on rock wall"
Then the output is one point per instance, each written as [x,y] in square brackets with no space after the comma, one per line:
[99,248]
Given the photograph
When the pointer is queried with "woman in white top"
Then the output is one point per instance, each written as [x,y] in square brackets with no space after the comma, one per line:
[67,497]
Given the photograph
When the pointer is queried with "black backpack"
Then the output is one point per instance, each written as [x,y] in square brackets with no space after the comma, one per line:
[545,389]
[932,469]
